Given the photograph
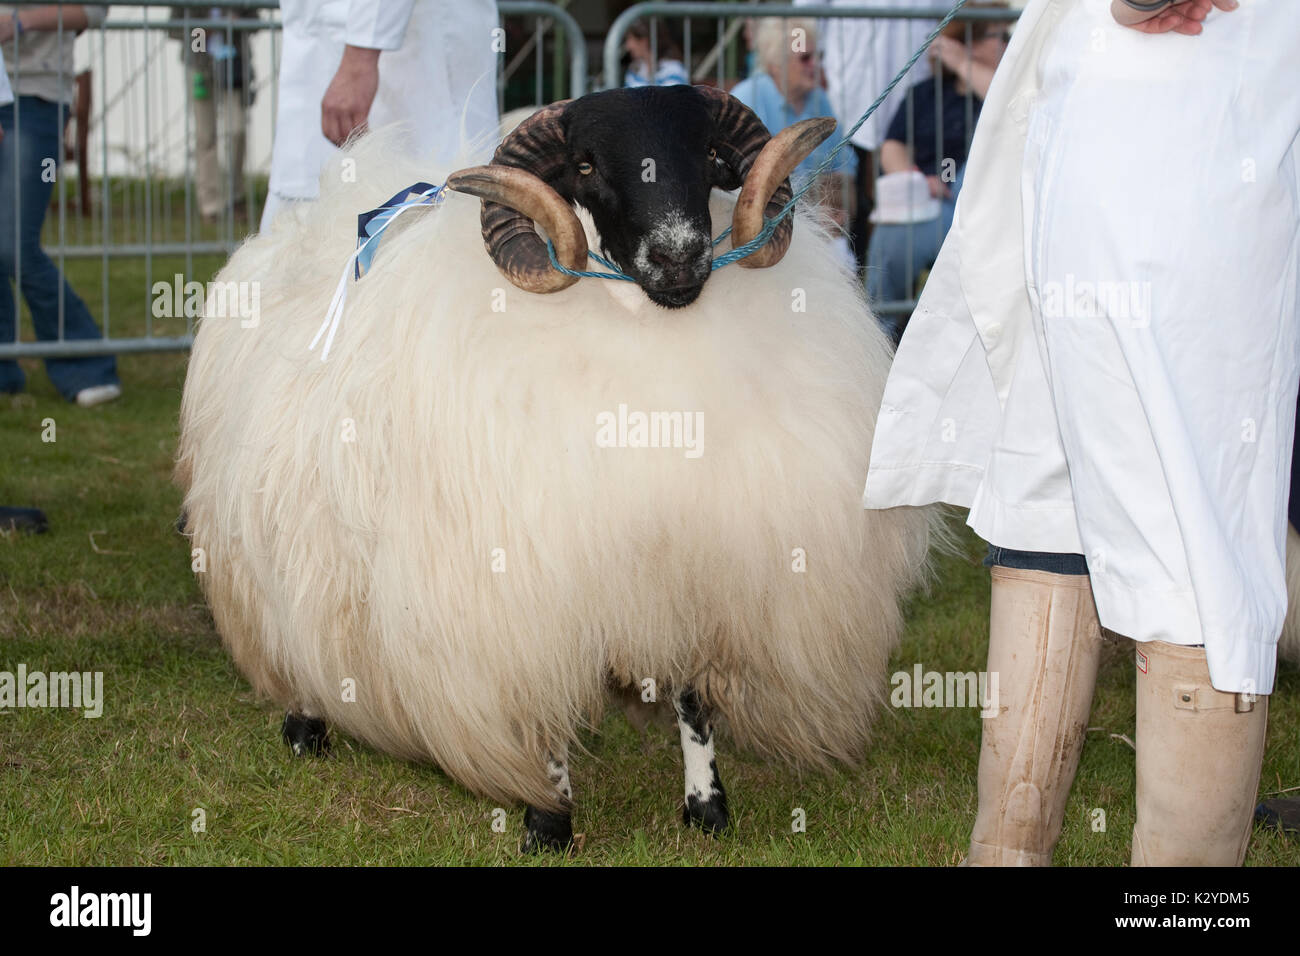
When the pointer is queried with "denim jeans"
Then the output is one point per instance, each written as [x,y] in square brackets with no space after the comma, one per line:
[23,161]
[1051,562]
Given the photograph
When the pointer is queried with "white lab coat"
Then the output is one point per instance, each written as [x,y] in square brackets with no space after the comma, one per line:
[1145,423]
[438,69]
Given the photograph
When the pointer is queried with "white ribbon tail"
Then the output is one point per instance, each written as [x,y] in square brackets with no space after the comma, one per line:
[335,313]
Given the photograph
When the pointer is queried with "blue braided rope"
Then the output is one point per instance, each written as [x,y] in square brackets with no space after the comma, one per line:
[770,225]
[612,274]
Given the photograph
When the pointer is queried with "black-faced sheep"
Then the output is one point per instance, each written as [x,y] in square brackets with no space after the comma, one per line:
[489,504]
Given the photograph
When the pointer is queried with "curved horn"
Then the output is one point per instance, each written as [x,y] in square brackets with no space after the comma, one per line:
[746,146]
[513,199]
[767,190]
[516,192]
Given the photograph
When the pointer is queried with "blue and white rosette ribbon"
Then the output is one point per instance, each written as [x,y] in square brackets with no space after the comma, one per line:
[370,226]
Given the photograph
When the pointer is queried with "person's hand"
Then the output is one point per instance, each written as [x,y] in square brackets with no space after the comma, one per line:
[938,188]
[6,29]
[346,104]
[951,53]
[1183,17]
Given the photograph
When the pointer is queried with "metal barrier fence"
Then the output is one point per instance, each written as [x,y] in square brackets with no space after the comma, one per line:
[710,40]
[136,118]
[139,129]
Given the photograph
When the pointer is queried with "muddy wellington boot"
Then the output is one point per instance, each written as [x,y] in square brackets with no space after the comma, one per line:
[1044,646]
[1199,752]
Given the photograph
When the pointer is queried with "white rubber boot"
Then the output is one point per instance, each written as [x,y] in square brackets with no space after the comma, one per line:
[1044,645]
[1199,752]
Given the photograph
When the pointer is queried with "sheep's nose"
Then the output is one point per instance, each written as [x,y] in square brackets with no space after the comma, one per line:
[678,267]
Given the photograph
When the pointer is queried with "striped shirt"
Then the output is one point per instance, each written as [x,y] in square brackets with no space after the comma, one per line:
[669,73]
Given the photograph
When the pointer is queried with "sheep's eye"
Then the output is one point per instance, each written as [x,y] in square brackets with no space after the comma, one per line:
[585,168]
[713,154]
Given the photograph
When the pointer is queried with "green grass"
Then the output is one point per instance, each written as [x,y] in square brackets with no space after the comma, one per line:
[181,730]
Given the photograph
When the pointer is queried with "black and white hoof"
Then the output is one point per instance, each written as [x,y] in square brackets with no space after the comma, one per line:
[706,800]
[547,831]
[707,813]
[306,736]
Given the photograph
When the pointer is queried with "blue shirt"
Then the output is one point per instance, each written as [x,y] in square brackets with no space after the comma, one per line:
[760,94]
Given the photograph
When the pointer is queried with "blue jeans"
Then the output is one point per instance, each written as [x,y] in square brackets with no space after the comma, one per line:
[22,213]
[1051,562]
[899,252]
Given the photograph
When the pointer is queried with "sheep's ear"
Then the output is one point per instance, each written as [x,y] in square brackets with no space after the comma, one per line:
[725,176]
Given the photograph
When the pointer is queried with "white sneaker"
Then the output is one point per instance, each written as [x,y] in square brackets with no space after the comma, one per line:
[98,395]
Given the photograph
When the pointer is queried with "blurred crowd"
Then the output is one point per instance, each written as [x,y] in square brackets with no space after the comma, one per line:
[890,195]
[893,192]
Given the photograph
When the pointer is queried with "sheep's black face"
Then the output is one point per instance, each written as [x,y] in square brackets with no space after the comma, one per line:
[642,162]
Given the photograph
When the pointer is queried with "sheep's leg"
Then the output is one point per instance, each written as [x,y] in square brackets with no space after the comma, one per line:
[305,735]
[706,801]
[548,830]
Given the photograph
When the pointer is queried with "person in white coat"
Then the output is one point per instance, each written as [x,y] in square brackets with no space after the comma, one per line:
[1103,367]
[347,64]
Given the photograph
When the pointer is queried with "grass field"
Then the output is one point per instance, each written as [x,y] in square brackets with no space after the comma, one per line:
[109,589]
